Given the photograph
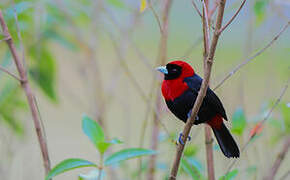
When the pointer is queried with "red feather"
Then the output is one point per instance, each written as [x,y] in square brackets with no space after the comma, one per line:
[216,122]
[171,89]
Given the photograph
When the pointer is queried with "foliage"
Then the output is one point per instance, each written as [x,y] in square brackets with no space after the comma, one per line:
[10,103]
[260,10]
[96,135]
[239,121]
[230,175]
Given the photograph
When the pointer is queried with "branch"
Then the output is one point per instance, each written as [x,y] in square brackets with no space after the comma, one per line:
[29,94]
[234,16]
[162,56]
[199,13]
[261,123]
[210,13]
[201,94]
[196,8]
[207,130]
[209,152]
[252,57]
[278,161]
[10,73]
[156,16]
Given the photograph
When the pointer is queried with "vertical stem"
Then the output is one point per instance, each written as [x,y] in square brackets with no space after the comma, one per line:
[101,167]
[29,94]
[208,134]
[208,61]
[161,59]
[209,152]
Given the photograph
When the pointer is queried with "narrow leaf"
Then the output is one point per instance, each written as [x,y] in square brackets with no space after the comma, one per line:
[230,175]
[103,146]
[67,165]
[285,109]
[143,5]
[190,169]
[117,3]
[239,121]
[43,70]
[93,130]
[127,154]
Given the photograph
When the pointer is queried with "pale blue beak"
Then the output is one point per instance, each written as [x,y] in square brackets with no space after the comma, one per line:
[162,69]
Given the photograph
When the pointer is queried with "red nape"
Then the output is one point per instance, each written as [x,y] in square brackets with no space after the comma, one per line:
[216,122]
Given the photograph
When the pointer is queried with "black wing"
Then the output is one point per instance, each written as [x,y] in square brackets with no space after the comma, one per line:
[194,83]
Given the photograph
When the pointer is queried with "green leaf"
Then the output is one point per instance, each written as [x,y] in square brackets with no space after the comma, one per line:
[92,175]
[285,109]
[61,39]
[93,130]
[260,10]
[230,175]
[43,70]
[191,170]
[19,8]
[10,103]
[103,146]
[190,150]
[67,165]
[239,121]
[127,154]
[117,3]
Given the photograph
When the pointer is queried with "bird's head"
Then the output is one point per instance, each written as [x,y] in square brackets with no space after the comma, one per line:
[176,69]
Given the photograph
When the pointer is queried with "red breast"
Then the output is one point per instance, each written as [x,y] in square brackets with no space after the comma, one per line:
[173,88]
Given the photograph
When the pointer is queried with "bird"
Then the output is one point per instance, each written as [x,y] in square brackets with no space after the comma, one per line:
[180,89]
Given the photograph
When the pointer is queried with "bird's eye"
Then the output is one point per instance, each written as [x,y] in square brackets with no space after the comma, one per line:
[174,70]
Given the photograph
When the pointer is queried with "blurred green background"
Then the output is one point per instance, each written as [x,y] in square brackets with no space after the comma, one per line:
[82,56]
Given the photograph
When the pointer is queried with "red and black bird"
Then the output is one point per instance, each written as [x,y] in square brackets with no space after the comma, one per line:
[180,89]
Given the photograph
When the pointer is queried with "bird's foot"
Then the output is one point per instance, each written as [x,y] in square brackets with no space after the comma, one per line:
[180,138]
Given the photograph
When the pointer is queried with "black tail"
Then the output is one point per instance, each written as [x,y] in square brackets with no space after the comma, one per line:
[227,143]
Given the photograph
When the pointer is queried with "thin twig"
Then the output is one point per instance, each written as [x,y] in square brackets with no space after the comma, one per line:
[196,8]
[234,16]
[214,8]
[162,56]
[19,34]
[29,94]
[206,24]
[201,94]
[252,57]
[209,152]
[261,124]
[273,171]
[207,129]
[10,73]
[156,16]
[199,13]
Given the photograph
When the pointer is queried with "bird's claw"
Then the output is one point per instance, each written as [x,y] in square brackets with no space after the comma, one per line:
[180,138]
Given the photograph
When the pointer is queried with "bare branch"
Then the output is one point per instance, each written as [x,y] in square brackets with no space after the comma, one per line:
[10,73]
[278,161]
[211,12]
[252,57]
[202,92]
[209,152]
[196,8]
[156,16]
[29,94]
[234,16]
